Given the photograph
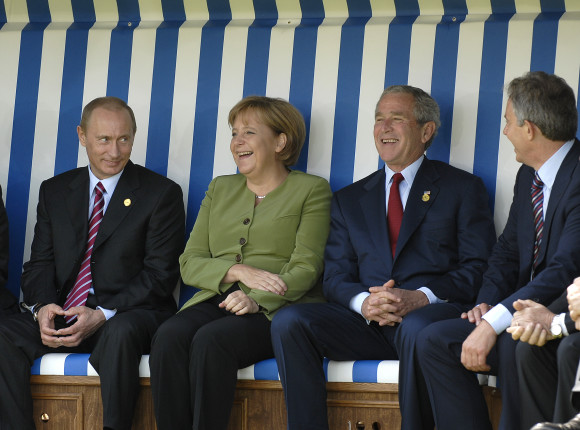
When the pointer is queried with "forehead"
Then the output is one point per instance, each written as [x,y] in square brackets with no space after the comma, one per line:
[396,103]
[247,117]
[103,118]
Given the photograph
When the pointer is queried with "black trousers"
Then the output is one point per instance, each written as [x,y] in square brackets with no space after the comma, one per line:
[194,361]
[115,348]
[546,376]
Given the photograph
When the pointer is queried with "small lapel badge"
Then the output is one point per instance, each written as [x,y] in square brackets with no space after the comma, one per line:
[127,202]
[426,196]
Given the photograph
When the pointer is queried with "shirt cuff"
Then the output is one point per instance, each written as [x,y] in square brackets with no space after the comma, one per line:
[499,318]
[432,297]
[357,301]
[109,313]
[560,319]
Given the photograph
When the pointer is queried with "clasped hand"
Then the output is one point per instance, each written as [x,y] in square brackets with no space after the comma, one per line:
[388,305]
[531,323]
[255,278]
[86,324]
[478,344]
[239,303]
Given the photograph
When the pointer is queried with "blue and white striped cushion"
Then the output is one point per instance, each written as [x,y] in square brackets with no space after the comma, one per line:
[336,371]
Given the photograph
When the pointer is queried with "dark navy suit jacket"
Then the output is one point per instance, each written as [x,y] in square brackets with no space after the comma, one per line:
[510,265]
[443,243]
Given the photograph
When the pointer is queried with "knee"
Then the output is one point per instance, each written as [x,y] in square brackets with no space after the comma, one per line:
[525,354]
[286,319]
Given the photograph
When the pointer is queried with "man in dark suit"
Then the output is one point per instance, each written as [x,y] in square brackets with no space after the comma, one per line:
[536,257]
[101,285]
[8,303]
[384,283]
[547,361]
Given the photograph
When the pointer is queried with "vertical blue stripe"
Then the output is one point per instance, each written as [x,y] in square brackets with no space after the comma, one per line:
[503,7]
[128,11]
[302,77]
[83,11]
[489,111]
[544,41]
[38,11]
[399,51]
[206,112]
[407,8]
[120,61]
[347,98]
[365,370]
[443,83]
[553,6]
[265,9]
[162,88]
[312,9]
[454,7]
[71,97]
[22,144]
[35,368]
[219,10]
[3,19]
[173,10]
[257,55]
[359,9]
[76,364]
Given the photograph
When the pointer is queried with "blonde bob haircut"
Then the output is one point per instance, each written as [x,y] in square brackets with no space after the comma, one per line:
[281,117]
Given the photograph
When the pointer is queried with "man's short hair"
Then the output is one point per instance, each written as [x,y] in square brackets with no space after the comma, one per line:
[425,108]
[281,117]
[110,103]
[547,101]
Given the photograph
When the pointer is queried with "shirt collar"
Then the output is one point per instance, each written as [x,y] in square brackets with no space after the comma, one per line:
[109,183]
[550,168]
[408,172]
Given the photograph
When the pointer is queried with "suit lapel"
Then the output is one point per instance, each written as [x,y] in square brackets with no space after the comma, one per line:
[418,205]
[121,203]
[563,178]
[78,191]
[373,207]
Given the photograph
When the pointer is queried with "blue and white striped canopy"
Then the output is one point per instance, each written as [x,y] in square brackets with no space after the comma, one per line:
[183,64]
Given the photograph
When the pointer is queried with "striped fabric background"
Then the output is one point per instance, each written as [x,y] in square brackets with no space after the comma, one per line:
[182,64]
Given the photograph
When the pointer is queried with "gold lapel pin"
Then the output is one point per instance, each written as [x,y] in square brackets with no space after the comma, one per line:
[127,202]
[426,196]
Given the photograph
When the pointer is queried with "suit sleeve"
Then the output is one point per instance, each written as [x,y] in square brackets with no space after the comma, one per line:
[38,281]
[341,273]
[198,267]
[475,236]
[304,268]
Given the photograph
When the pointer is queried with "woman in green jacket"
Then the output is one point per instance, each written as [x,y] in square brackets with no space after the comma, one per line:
[257,245]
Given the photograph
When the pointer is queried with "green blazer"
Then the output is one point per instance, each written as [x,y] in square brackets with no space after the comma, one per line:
[285,234]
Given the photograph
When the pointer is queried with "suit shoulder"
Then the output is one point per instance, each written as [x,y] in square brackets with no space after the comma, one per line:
[154,178]
[62,180]
[308,180]
[356,187]
[455,173]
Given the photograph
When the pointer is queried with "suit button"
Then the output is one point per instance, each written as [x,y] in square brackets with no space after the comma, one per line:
[238,258]
[242,241]
[246,221]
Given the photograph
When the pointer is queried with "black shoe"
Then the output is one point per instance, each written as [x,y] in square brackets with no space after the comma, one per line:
[573,424]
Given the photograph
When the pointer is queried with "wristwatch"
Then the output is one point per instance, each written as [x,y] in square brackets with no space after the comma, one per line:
[556,328]
[33,309]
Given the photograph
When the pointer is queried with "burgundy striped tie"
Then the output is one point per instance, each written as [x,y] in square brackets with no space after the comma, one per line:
[80,291]
[538,210]
[395,211]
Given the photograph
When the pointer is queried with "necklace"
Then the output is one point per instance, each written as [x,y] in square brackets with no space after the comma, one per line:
[261,197]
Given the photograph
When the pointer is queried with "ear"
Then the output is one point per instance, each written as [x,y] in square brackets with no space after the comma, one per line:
[427,131]
[281,142]
[530,129]
[82,136]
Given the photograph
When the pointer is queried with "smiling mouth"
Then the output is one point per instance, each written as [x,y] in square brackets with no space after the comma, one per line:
[389,140]
[244,154]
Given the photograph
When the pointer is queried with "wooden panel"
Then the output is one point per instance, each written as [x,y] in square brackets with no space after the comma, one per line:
[257,404]
[58,411]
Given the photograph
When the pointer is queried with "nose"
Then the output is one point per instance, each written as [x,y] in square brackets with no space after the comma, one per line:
[114,150]
[505,130]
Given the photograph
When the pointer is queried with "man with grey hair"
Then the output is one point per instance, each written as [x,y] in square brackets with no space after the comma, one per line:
[407,247]
[536,257]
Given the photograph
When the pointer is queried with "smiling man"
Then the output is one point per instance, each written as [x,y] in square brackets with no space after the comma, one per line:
[536,258]
[407,246]
[102,269]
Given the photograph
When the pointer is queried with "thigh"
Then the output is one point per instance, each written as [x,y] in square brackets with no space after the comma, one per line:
[245,337]
[339,333]
[23,332]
